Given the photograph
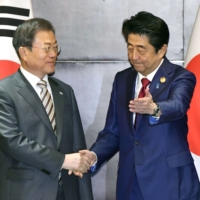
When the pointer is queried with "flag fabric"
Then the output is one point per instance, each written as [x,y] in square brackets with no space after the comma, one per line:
[12,13]
[192,63]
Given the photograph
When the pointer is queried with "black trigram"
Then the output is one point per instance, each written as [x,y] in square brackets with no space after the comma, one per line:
[10,21]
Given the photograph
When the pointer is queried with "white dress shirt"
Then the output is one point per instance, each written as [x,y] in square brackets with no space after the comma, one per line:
[138,84]
[33,80]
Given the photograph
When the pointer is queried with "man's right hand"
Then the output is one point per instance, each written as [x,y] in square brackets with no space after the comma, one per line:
[90,157]
[76,162]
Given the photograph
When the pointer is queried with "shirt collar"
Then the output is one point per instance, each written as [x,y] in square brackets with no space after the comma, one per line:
[149,76]
[32,79]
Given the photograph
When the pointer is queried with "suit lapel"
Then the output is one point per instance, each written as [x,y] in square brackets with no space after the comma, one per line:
[29,94]
[130,95]
[157,85]
[161,78]
[58,97]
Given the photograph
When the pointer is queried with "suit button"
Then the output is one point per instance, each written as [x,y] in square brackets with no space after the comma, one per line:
[136,143]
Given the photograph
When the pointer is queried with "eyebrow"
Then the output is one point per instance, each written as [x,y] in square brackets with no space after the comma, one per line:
[47,43]
[140,46]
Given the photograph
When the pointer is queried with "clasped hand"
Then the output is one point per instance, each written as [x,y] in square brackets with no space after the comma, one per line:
[79,163]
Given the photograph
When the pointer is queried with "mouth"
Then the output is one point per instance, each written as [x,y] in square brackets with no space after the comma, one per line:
[51,63]
[136,64]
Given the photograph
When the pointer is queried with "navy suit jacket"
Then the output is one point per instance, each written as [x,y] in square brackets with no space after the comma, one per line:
[159,153]
[30,155]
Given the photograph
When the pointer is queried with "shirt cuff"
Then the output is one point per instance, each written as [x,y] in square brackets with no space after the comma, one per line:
[93,167]
[153,120]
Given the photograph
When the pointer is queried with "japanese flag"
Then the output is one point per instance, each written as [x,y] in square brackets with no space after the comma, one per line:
[192,63]
[12,13]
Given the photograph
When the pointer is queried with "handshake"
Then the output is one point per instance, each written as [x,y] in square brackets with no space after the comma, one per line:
[79,163]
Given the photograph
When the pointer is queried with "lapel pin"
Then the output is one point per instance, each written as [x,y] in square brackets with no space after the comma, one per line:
[157,86]
[162,79]
[61,93]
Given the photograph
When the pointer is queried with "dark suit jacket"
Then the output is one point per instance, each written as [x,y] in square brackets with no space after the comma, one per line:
[159,153]
[30,154]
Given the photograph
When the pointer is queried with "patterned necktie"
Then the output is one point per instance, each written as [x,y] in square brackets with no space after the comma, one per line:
[145,83]
[47,103]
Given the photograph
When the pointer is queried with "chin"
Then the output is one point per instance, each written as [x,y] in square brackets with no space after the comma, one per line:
[138,69]
[51,74]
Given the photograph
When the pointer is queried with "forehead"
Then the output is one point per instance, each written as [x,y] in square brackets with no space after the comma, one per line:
[136,39]
[44,37]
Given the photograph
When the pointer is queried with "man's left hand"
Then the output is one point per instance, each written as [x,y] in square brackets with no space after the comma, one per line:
[143,105]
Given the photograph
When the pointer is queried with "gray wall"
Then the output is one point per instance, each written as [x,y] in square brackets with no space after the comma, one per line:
[93,50]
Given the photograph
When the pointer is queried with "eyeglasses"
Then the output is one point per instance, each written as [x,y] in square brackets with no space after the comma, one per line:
[48,49]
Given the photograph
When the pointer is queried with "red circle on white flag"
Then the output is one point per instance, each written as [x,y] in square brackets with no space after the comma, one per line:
[194,111]
[7,68]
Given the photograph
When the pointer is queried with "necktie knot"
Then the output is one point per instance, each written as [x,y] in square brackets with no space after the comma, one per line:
[145,82]
[42,84]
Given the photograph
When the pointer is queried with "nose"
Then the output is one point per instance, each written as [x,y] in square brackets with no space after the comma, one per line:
[52,53]
[134,55]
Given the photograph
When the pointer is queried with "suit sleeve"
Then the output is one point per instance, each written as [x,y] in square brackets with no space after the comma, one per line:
[16,145]
[179,97]
[107,143]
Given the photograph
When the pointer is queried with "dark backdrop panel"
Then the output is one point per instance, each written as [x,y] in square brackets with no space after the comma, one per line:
[91,30]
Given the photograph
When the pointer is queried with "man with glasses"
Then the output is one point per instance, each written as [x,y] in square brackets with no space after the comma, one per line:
[40,125]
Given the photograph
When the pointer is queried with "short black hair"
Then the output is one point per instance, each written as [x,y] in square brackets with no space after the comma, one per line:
[25,32]
[145,23]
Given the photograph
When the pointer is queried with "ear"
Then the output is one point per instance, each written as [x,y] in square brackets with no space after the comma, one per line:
[163,50]
[23,52]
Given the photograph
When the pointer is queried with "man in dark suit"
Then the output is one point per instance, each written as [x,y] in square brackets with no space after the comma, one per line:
[146,120]
[40,125]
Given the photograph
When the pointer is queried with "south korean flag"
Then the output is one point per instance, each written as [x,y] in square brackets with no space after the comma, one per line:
[12,13]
